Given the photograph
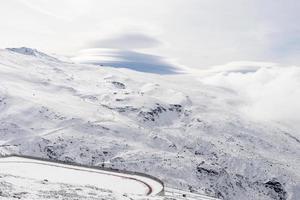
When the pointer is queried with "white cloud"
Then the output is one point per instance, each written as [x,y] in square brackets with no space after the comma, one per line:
[65,10]
[196,33]
[268,92]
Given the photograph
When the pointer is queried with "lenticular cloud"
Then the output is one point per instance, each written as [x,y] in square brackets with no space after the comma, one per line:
[130,59]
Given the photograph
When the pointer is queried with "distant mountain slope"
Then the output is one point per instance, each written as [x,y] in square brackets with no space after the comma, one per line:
[174,127]
[32,52]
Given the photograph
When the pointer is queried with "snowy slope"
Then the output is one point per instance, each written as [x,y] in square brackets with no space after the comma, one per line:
[175,127]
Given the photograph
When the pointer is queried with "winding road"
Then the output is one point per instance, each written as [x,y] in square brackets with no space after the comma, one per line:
[120,182]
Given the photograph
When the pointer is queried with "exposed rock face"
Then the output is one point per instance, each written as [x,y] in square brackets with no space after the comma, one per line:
[276,190]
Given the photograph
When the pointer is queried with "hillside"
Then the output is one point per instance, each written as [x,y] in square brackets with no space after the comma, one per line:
[176,127]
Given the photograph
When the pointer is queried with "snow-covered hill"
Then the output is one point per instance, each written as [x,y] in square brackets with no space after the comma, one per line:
[190,134]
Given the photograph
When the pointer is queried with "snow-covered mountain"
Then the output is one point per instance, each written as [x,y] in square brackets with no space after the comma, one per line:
[176,127]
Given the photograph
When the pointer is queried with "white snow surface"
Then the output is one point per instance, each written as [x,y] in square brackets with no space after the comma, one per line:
[188,133]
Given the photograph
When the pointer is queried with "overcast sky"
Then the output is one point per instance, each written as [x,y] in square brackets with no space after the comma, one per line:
[195,33]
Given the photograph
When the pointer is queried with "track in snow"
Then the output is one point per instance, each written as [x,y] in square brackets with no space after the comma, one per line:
[79,175]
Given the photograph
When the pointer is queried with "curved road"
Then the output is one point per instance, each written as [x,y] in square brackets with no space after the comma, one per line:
[80,175]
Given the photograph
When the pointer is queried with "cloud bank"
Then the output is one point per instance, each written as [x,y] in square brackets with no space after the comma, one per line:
[269,92]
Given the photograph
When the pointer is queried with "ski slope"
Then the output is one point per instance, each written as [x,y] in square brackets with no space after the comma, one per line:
[69,174]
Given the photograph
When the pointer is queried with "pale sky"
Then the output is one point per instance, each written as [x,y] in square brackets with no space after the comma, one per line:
[194,33]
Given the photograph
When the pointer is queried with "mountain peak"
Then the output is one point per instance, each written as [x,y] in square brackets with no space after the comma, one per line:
[31,52]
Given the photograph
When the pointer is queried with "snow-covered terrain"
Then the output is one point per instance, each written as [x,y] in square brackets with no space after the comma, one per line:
[179,128]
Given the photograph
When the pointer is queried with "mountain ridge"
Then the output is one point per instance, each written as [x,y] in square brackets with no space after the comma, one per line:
[174,127]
